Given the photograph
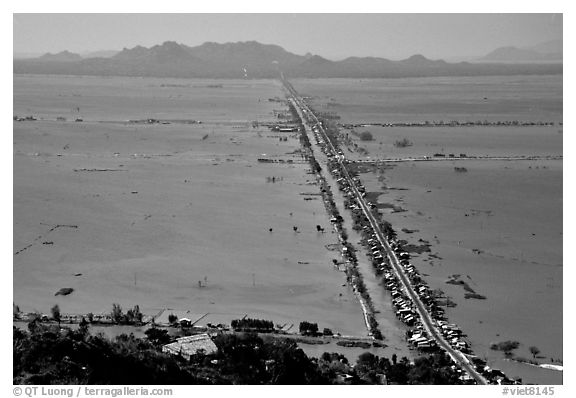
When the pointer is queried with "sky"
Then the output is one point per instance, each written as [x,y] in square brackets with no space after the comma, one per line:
[334,36]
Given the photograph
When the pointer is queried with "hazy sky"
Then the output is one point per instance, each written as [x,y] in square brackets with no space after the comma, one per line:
[333,36]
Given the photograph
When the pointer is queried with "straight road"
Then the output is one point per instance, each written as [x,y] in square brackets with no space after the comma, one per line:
[425,316]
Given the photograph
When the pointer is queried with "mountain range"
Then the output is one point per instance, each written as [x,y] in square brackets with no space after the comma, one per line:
[255,60]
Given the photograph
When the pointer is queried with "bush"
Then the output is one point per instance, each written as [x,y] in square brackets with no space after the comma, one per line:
[157,336]
[366,136]
[403,143]
[505,346]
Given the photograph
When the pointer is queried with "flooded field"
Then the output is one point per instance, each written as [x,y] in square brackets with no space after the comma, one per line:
[497,224]
[470,141]
[168,215]
[530,98]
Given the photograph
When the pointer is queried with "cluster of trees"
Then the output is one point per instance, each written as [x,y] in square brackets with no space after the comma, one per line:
[433,369]
[248,359]
[50,355]
[255,325]
[387,229]
[308,328]
[371,369]
[158,337]
[131,317]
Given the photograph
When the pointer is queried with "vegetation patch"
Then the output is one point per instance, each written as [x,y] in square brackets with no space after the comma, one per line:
[403,143]
[505,346]
[366,136]
[412,248]
[349,344]
[254,325]
[474,295]
[395,208]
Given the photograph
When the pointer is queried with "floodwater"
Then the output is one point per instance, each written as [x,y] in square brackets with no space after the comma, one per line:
[168,215]
[178,215]
[498,224]
[493,98]
[504,237]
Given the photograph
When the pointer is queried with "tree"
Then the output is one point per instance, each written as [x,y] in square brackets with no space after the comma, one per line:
[368,360]
[34,322]
[117,315]
[134,315]
[172,319]
[157,336]
[56,314]
[534,351]
[83,327]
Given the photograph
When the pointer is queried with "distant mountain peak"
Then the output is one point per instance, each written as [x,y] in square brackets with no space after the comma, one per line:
[316,59]
[547,51]
[418,60]
[62,56]
[165,53]
[170,43]
[417,57]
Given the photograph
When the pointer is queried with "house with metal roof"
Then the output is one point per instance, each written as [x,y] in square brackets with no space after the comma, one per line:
[191,345]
